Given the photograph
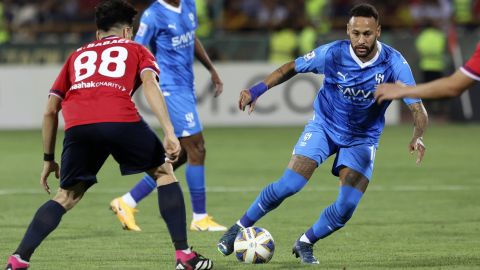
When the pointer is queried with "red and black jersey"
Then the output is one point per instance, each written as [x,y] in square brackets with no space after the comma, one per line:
[98,80]
[472,66]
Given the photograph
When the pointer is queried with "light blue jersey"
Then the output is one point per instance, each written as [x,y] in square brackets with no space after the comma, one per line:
[348,122]
[169,32]
[345,104]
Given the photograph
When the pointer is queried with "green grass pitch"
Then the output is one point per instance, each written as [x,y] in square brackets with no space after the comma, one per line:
[412,217]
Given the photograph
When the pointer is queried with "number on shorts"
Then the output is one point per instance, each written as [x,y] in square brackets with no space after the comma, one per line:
[107,59]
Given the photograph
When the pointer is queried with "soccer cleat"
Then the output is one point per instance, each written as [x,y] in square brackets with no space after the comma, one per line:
[207,224]
[192,261]
[225,244]
[125,214]
[305,252]
[16,263]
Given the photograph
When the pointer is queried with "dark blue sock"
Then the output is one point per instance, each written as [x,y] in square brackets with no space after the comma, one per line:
[46,219]
[336,215]
[272,196]
[195,175]
[143,188]
[172,209]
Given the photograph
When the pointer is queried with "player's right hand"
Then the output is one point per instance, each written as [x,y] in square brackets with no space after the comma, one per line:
[48,167]
[172,147]
[246,100]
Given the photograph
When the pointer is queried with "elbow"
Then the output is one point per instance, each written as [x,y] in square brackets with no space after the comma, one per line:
[50,114]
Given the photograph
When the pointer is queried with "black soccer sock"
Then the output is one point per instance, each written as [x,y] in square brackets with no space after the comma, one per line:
[172,209]
[46,219]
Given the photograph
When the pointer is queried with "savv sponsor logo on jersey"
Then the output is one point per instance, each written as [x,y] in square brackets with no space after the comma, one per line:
[183,40]
[355,94]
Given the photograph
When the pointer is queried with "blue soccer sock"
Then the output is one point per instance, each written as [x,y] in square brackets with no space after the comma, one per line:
[141,190]
[336,215]
[172,210]
[46,219]
[195,175]
[272,196]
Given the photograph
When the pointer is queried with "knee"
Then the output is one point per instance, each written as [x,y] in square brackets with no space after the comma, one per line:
[196,153]
[182,159]
[290,183]
[164,175]
[67,199]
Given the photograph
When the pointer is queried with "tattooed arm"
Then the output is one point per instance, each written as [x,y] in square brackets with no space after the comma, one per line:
[420,120]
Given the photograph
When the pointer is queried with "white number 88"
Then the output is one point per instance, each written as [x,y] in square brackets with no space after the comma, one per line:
[107,59]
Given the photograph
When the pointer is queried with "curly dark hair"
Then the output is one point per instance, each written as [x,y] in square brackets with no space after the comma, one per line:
[364,10]
[111,13]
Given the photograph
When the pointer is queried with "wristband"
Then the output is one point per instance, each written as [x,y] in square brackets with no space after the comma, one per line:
[257,90]
[48,157]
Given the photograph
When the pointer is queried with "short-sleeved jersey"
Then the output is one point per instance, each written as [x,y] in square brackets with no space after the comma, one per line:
[98,80]
[170,34]
[345,104]
[472,66]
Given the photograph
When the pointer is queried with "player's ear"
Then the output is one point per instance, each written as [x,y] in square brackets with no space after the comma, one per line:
[379,30]
[348,29]
[97,34]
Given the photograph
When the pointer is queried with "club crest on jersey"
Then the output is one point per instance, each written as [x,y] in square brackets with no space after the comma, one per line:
[379,78]
[306,137]
[192,18]
[142,29]
[190,119]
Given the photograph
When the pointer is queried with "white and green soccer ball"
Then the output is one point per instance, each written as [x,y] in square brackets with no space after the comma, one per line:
[254,245]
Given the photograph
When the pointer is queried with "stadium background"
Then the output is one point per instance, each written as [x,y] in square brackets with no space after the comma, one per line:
[413,217]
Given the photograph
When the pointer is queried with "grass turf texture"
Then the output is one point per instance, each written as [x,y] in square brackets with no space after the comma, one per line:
[412,217]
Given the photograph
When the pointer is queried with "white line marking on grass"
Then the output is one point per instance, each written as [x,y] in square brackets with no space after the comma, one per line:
[225,189]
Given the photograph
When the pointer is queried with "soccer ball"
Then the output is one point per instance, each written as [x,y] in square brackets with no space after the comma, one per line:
[254,245]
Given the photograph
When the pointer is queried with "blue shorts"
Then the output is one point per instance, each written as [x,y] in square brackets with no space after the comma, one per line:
[182,107]
[135,147]
[317,144]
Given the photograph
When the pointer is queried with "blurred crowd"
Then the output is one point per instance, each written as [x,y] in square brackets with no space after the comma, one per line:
[267,30]
[52,21]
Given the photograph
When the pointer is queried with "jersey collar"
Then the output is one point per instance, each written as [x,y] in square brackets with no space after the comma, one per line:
[170,7]
[368,63]
[110,37]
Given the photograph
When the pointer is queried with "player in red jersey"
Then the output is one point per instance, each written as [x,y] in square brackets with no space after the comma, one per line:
[94,91]
[450,86]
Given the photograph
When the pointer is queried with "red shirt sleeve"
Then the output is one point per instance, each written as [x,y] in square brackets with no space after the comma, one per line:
[147,61]
[472,66]
[62,84]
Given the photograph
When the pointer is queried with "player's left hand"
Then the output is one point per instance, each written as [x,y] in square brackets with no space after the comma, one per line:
[172,148]
[246,100]
[389,91]
[218,84]
[48,167]
[416,145]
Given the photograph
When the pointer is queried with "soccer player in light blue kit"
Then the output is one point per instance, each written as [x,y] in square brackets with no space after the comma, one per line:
[168,27]
[347,122]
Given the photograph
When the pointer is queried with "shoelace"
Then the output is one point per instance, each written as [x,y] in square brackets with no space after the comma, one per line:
[307,251]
